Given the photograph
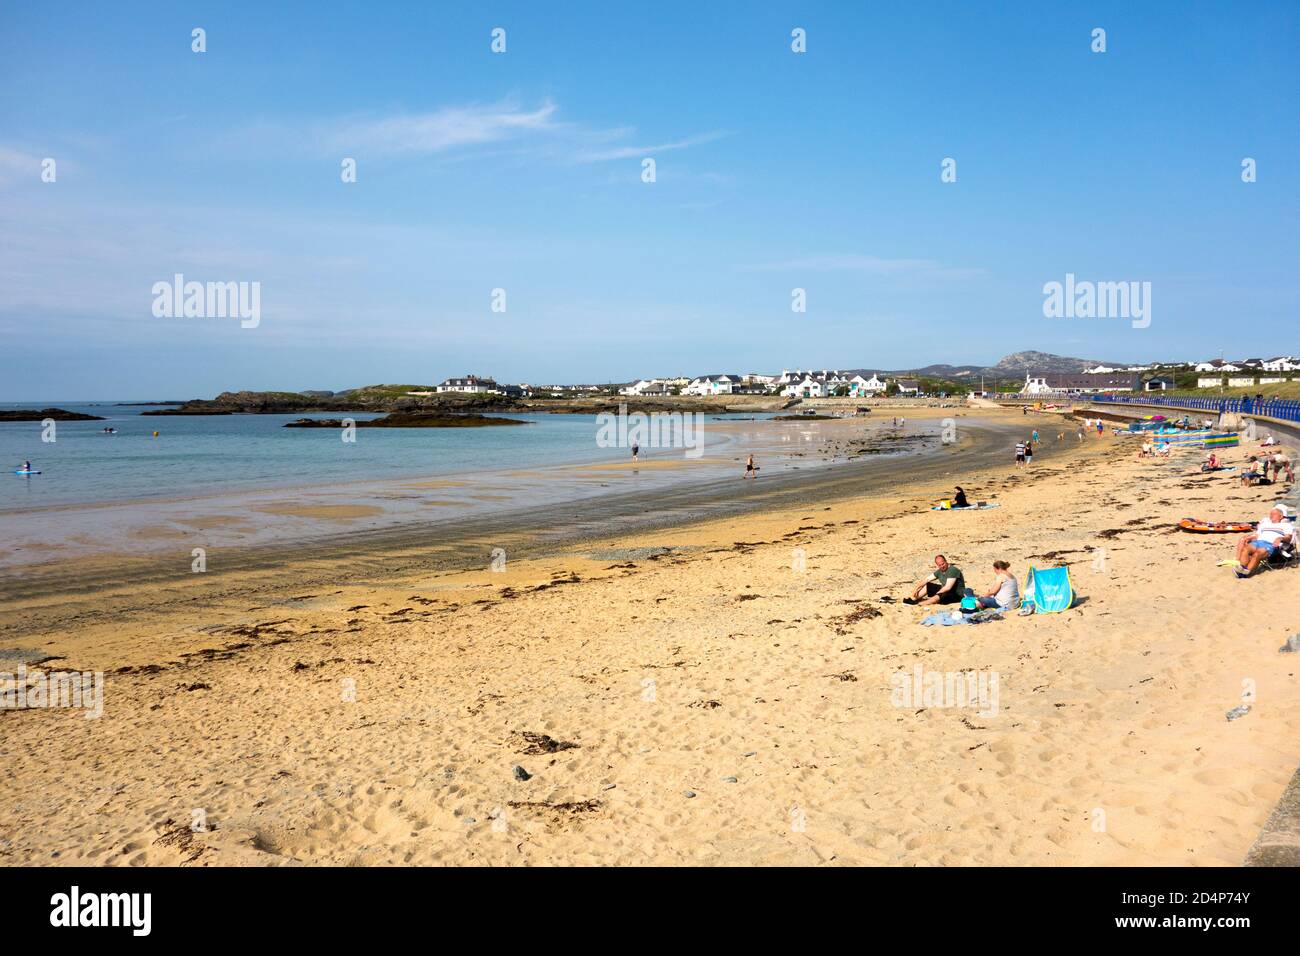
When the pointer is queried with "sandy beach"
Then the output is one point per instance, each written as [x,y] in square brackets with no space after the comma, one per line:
[707,692]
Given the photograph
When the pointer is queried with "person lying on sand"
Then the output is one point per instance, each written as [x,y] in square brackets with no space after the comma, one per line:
[945,586]
[1005,591]
[1271,533]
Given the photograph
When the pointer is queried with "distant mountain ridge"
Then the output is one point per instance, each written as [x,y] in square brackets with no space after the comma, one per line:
[1014,365]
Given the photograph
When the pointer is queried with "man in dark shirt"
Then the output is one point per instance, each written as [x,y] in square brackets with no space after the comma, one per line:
[945,586]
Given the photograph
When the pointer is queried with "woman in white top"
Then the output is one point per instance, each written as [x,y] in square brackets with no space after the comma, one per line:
[1005,592]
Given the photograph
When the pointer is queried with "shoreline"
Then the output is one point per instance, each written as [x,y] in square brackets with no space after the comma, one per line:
[770,687]
[44,594]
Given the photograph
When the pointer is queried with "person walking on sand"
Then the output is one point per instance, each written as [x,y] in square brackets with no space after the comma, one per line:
[1029,451]
[636,450]
[1034,437]
[750,469]
[1020,453]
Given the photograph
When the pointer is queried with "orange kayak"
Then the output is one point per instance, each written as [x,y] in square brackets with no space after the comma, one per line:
[1216,527]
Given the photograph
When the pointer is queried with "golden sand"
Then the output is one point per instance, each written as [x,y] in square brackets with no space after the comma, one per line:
[727,689]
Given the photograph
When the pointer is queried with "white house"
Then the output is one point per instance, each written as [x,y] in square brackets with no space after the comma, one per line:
[907,386]
[1209,381]
[1216,365]
[470,383]
[1056,384]
[1282,363]
[712,385]
[809,386]
[654,386]
[860,387]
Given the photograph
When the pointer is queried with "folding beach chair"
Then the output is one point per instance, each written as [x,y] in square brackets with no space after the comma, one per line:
[1052,589]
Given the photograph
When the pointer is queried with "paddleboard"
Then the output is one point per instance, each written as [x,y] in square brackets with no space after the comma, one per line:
[1215,527]
[21,472]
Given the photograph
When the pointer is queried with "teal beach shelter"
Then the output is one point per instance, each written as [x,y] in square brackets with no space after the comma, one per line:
[1052,589]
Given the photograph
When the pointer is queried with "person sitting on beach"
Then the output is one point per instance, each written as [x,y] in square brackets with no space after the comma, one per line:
[959,499]
[1005,592]
[945,586]
[1254,472]
[1270,534]
[1211,462]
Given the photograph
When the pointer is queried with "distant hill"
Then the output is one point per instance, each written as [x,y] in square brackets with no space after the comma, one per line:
[1011,366]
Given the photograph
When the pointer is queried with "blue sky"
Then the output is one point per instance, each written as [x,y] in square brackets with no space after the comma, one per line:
[522,171]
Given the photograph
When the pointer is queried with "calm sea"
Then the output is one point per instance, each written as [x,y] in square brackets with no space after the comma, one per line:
[200,455]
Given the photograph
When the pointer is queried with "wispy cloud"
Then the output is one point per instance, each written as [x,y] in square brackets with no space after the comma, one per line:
[636,152]
[871,265]
[469,130]
[438,131]
[15,165]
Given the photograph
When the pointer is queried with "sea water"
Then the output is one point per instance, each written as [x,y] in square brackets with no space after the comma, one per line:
[212,454]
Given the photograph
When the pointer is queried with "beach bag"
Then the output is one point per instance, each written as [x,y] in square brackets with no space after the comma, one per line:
[1052,589]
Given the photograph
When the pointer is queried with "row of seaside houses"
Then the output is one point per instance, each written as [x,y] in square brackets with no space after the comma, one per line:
[791,383]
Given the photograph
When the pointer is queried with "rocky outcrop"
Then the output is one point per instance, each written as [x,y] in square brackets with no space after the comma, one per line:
[58,414]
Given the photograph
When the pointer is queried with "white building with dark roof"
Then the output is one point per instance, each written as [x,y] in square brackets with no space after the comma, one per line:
[471,384]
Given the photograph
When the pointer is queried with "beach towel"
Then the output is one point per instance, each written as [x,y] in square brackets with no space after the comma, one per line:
[945,618]
[1052,589]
